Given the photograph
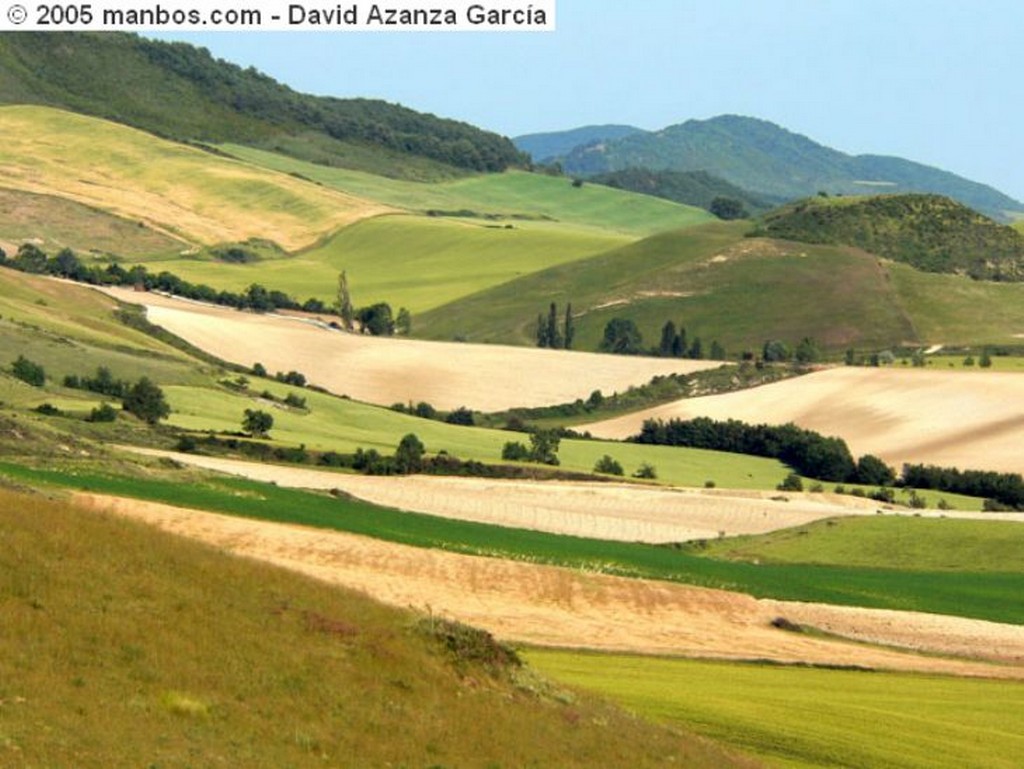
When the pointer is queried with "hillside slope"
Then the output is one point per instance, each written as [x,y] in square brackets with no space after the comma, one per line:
[182,92]
[544,147]
[928,232]
[767,159]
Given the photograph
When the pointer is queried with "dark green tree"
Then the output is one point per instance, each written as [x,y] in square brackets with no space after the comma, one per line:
[257,423]
[554,335]
[544,447]
[542,331]
[146,401]
[696,351]
[807,351]
[460,416]
[622,337]
[775,351]
[608,466]
[872,471]
[679,344]
[403,323]
[376,319]
[985,361]
[728,208]
[668,338]
[717,351]
[514,451]
[570,328]
[29,372]
[345,309]
[409,455]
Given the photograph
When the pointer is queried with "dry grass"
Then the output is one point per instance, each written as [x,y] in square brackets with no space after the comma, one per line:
[933,417]
[123,646]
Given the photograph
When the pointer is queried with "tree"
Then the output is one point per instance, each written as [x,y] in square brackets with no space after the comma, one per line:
[403,323]
[608,466]
[409,455]
[146,401]
[542,331]
[985,361]
[570,328]
[461,416]
[679,343]
[791,482]
[807,351]
[775,351]
[872,471]
[622,337]
[728,208]
[257,423]
[514,451]
[646,471]
[376,319]
[696,349]
[668,338]
[29,372]
[345,309]
[544,447]
[554,335]
[717,351]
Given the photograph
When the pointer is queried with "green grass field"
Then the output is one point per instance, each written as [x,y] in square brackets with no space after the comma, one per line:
[792,717]
[408,261]
[710,279]
[511,194]
[992,596]
[925,544]
[124,646]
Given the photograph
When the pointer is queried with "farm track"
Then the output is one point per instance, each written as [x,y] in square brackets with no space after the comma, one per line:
[559,607]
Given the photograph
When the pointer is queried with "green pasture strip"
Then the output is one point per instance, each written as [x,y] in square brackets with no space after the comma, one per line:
[513,193]
[993,596]
[902,542]
[416,262]
[797,717]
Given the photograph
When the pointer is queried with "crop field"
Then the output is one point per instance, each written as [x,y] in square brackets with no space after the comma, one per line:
[709,279]
[184,192]
[792,717]
[511,195]
[891,413]
[987,596]
[888,542]
[407,261]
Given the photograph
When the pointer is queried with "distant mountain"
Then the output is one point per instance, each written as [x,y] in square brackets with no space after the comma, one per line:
[544,147]
[692,188]
[929,232]
[181,92]
[762,157]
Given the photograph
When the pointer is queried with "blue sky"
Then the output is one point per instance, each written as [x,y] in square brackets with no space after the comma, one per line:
[936,81]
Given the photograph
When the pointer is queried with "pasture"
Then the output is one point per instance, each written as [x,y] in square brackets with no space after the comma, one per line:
[796,717]
[183,192]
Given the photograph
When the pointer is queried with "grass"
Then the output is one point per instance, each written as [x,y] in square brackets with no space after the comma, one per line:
[792,717]
[709,279]
[925,544]
[125,646]
[408,261]
[514,194]
[190,194]
[991,596]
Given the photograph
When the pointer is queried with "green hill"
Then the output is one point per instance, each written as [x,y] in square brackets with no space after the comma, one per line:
[742,291]
[544,147]
[928,232]
[692,188]
[182,92]
[766,159]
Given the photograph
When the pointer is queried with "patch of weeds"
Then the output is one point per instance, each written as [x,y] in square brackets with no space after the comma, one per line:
[468,645]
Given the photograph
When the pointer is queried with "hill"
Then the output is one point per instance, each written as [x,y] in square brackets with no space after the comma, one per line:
[764,158]
[182,92]
[692,188]
[545,147]
[147,649]
[928,232]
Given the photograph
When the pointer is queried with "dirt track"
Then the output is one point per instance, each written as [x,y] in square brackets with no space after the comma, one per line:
[628,513]
[386,371]
[947,418]
[560,607]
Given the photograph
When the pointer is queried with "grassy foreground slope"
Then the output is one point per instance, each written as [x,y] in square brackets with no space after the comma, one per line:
[791,717]
[180,191]
[124,646]
[511,195]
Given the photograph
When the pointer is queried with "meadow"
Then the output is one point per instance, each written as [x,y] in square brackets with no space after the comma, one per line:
[125,646]
[796,717]
[989,596]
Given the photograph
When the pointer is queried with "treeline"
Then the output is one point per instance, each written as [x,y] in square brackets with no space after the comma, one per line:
[809,453]
[1005,489]
[623,337]
[558,335]
[692,188]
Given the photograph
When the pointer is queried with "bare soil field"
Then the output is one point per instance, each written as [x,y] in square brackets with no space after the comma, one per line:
[944,418]
[560,607]
[387,371]
[624,512]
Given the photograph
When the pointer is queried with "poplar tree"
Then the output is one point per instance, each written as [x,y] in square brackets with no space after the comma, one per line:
[554,335]
[345,309]
[570,328]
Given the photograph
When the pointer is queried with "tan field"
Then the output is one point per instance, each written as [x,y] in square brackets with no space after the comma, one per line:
[566,608]
[182,191]
[387,371]
[968,420]
[628,513]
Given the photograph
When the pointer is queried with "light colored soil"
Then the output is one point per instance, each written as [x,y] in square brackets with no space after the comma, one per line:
[387,371]
[917,416]
[561,607]
[628,513]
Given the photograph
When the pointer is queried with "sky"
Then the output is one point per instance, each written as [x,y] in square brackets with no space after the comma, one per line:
[940,82]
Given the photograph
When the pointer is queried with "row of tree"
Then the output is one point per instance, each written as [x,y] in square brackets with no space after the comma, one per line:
[1005,488]
[558,335]
[622,337]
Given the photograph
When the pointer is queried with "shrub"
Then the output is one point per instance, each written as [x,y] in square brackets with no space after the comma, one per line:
[48,409]
[646,471]
[102,413]
[29,372]
[295,401]
[461,416]
[791,482]
[608,466]
[515,452]
[146,401]
[257,423]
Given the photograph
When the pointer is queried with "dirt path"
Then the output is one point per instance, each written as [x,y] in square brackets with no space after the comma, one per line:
[386,371]
[947,418]
[630,513]
[561,607]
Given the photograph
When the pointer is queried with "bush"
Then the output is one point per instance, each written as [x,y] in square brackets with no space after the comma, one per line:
[29,372]
[646,471]
[49,410]
[791,482]
[102,413]
[608,466]
[295,401]
[257,423]
[515,452]
[146,401]
[461,416]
